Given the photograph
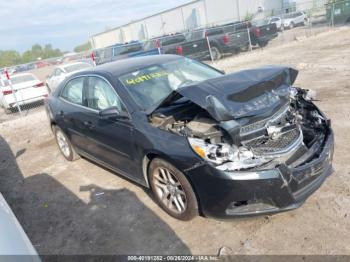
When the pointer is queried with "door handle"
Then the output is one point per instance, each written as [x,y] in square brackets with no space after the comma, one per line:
[61,113]
[89,125]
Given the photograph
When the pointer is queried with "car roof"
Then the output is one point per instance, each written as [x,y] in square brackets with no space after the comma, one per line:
[70,64]
[23,74]
[123,66]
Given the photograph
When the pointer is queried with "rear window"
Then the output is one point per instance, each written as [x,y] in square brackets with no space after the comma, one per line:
[215,31]
[128,48]
[169,40]
[76,67]
[150,44]
[259,22]
[195,35]
[21,79]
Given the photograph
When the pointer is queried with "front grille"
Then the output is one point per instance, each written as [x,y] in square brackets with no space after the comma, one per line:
[262,123]
[265,145]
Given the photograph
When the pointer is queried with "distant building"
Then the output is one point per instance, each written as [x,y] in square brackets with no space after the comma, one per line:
[198,13]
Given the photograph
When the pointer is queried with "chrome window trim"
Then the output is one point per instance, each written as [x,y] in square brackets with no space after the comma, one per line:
[85,107]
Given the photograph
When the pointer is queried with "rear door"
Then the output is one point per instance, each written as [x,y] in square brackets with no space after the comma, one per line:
[73,114]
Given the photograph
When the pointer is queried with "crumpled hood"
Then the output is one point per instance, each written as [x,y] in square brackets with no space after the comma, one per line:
[242,94]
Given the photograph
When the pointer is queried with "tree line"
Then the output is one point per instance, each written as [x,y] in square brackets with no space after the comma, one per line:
[13,57]
[37,52]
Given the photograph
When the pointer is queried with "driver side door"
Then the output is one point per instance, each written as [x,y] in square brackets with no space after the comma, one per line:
[110,138]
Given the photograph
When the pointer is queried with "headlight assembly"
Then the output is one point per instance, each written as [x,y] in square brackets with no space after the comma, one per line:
[226,157]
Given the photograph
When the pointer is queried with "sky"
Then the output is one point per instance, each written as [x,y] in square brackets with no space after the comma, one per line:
[68,23]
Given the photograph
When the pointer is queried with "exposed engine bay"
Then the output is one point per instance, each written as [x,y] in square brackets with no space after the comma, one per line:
[292,135]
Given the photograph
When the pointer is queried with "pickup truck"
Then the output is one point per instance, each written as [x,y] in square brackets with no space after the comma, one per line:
[225,39]
[121,51]
[194,44]
[165,43]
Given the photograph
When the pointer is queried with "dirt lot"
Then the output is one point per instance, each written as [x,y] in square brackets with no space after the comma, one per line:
[81,208]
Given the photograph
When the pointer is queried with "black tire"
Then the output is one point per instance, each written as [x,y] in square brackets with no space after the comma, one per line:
[7,110]
[262,43]
[215,53]
[72,154]
[188,198]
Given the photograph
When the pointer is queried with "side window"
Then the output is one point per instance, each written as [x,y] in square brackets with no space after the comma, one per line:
[101,95]
[73,91]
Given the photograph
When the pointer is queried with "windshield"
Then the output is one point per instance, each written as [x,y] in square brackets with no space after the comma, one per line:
[20,79]
[152,84]
[76,67]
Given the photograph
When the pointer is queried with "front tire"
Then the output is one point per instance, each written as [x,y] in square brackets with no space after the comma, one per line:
[172,190]
[64,144]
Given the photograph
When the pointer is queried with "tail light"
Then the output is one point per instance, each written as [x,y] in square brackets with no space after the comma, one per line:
[226,39]
[7,92]
[40,85]
[179,50]
[257,32]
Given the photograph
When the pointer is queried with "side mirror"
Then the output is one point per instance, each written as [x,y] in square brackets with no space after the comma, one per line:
[113,112]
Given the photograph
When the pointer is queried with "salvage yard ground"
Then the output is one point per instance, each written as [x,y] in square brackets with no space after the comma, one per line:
[81,208]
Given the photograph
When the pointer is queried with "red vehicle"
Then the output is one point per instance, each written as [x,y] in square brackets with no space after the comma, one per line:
[40,64]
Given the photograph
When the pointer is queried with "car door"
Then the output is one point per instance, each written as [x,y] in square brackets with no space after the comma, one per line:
[111,138]
[72,114]
[300,18]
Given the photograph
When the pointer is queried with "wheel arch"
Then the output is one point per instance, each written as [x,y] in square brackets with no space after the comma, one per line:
[147,159]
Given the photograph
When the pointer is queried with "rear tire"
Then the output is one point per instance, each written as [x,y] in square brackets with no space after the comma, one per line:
[7,111]
[64,144]
[172,190]
[215,53]
[262,44]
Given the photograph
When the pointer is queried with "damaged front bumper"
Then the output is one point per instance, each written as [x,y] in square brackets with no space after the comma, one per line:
[228,194]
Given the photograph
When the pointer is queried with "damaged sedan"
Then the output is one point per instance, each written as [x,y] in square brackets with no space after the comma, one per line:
[204,142]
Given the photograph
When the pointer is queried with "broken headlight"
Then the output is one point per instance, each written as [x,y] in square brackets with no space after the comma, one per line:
[226,157]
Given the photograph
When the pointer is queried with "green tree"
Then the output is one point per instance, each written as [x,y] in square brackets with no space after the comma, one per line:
[27,57]
[83,47]
[9,58]
[12,57]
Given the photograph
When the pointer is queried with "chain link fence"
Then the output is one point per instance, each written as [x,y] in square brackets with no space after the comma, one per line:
[265,29]
[23,88]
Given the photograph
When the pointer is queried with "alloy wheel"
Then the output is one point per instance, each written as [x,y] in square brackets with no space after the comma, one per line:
[63,143]
[169,190]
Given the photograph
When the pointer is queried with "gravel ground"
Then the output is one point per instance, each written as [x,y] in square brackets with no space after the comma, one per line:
[81,208]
